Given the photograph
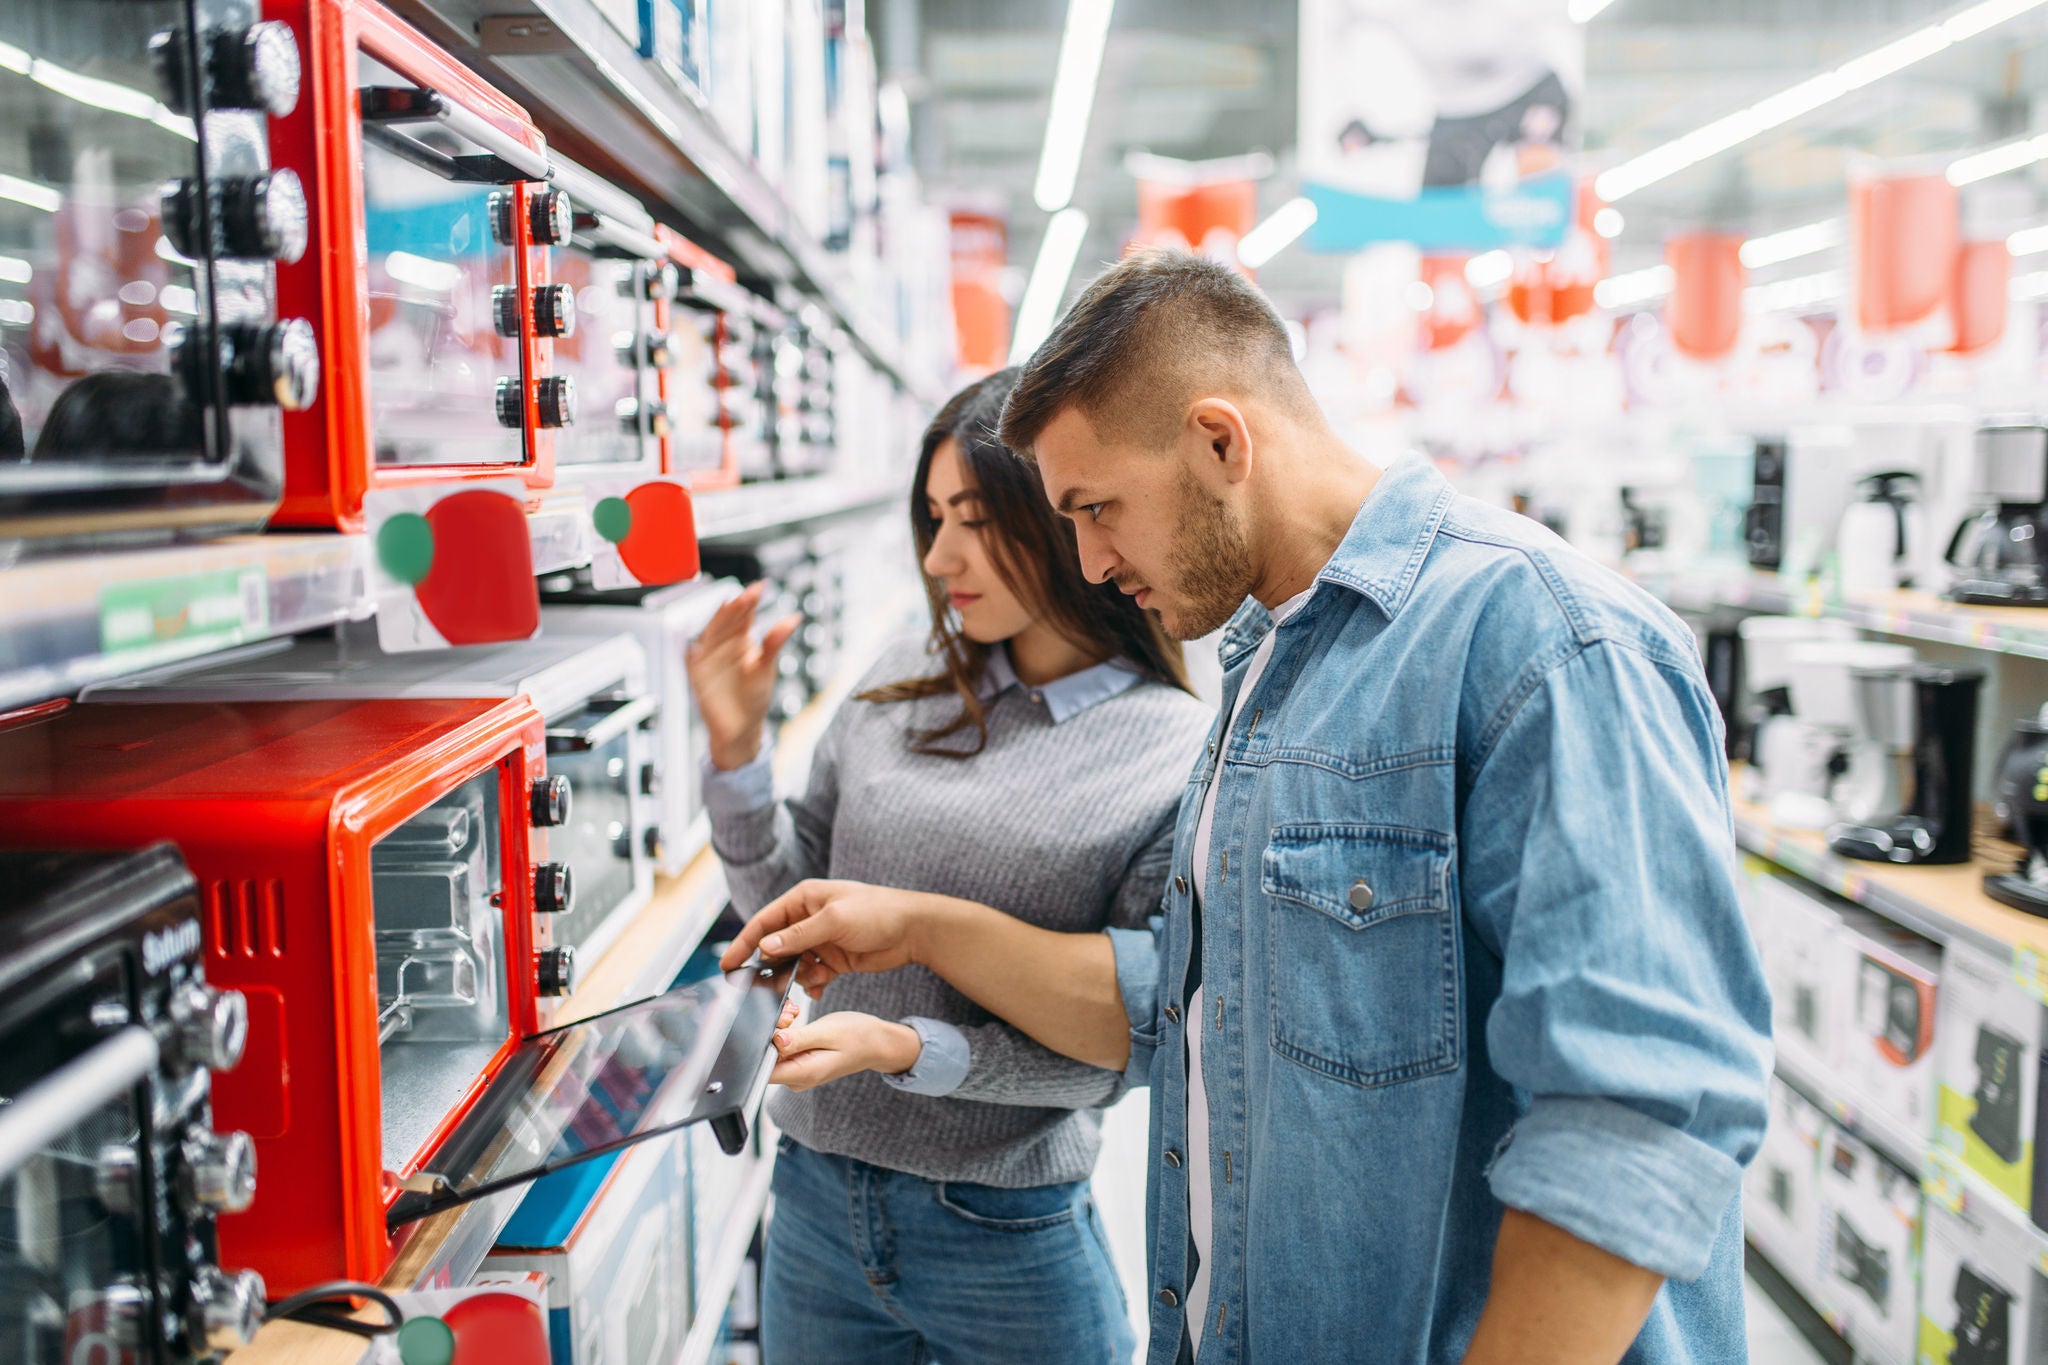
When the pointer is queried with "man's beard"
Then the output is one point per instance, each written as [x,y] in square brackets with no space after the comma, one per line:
[1211,567]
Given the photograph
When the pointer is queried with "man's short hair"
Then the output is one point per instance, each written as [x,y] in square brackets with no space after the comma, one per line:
[1144,340]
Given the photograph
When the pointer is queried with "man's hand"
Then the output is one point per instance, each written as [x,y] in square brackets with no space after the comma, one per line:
[842,1044]
[835,927]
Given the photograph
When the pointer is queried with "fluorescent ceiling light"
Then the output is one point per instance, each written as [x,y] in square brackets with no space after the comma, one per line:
[1582,11]
[1793,243]
[418,271]
[1608,222]
[15,270]
[1073,95]
[1056,255]
[30,193]
[1637,286]
[1488,269]
[100,94]
[2033,286]
[2010,156]
[1803,291]
[1273,236]
[1777,110]
[2028,241]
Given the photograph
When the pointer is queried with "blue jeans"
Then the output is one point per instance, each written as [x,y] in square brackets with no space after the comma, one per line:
[866,1266]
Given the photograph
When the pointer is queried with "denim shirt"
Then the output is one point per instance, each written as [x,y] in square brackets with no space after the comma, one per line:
[1471,941]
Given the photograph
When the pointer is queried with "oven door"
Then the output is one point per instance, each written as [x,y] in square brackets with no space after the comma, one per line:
[141,367]
[78,1267]
[602,749]
[605,285]
[702,1053]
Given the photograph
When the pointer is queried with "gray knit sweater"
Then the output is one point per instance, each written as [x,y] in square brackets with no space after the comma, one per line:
[1069,826]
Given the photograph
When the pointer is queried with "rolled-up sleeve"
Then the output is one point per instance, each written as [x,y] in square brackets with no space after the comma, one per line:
[1597,860]
[1138,960]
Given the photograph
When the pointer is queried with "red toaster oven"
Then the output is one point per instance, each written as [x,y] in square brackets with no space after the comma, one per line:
[366,879]
[427,272]
[709,387]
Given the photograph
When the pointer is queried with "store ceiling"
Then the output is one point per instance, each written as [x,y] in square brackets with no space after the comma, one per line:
[1206,78]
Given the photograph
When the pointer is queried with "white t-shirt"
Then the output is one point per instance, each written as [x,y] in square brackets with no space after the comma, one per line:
[1201,1222]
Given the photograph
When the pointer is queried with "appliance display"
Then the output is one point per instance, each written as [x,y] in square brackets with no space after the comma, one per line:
[600,311]
[712,390]
[1841,764]
[111,1172]
[143,362]
[1935,827]
[1996,1115]
[369,874]
[1983,1326]
[1870,1242]
[591,693]
[2018,770]
[664,621]
[1983,1300]
[1881,533]
[2023,792]
[1764,526]
[1783,755]
[1781,1188]
[1998,553]
[438,339]
[1987,1032]
[807,576]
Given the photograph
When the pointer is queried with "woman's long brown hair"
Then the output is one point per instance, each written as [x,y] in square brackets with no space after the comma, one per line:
[1034,550]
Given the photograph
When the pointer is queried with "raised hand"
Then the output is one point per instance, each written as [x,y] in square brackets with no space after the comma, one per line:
[733,676]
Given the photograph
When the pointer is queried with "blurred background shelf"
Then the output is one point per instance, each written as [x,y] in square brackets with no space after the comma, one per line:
[1906,614]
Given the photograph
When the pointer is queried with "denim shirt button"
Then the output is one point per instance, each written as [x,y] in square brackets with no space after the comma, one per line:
[1173,1158]
[1169,1298]
[1361,895]
[1173,1014]
[1180,885]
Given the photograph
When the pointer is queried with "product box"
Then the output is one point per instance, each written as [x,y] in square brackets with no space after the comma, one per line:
[1803,960]
[1886,1027]
[1869,1248]
[1987,1039]
[1781,1189]
[612,1237]
[1983,1300]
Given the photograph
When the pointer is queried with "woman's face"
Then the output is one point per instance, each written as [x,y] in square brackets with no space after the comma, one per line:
[959,560]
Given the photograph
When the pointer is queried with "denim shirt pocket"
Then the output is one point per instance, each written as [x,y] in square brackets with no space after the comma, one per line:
[1362,955]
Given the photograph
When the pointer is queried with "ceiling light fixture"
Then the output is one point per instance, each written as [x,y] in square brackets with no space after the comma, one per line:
[2009,156]
[1073,96]
[1057,251]
[1775,111]
[1637,286]
[1793,243]
[30,193]
[1273,236]
[1608,222]
[15,270]
[1582,11]
[1802,291]
[2028,241]
[1489,268]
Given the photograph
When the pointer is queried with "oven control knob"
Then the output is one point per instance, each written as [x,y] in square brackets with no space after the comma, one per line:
[660,280]
[555,970]
[227,1309]
[636,416]
[511,403]
[217,1171]
[554,889]
[556,398]
[255,68]
[505,309]
[499,211]
[209,1028]
[550,799]
[554,310]
[127,1310]
[653,349]
[622,841]
[271,363]
[650,842]
[264,217]
[650,780]
[116,1177]
[550,216]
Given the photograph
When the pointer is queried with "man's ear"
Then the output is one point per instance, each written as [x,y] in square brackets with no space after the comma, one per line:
[1223,430]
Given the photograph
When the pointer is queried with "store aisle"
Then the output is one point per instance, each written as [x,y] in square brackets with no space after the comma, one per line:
[1120,1195]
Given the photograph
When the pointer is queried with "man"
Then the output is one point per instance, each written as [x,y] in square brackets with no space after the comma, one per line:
[1456,1039]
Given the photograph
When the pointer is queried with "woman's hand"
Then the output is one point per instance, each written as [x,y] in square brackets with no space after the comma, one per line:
[838,1045]
[733,676]
[835,928]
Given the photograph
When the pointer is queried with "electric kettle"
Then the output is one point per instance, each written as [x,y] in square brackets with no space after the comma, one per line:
[1880,536]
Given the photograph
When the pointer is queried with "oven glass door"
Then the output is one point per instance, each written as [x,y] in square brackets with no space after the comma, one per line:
[437,275]
[73,1271]
[610,353]
[443,1008]
[94,299]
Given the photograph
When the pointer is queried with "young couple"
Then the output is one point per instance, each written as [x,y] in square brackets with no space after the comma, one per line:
[1456,1041]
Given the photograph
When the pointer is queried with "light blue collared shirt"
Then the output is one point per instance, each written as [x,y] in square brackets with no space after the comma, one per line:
[945,1056]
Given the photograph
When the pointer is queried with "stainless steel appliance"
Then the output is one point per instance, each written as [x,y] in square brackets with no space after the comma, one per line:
[2000,552]
[143,366]
[111,1173]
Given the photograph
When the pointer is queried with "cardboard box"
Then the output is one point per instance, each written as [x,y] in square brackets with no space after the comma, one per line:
[613,1237]
[1987,1038]
[1869,1249]
[1781,1189]
[1804,962]
[1983,1300]
[1889,1006]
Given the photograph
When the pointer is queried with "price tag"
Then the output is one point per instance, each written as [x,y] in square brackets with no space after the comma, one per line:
[169,616]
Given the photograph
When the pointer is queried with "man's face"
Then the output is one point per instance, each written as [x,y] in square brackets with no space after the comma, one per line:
[1145,520]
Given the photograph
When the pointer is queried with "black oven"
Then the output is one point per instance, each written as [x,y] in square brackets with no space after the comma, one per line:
[110,1171]
[142,364]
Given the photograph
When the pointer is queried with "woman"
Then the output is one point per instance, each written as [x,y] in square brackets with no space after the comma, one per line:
[932,1189]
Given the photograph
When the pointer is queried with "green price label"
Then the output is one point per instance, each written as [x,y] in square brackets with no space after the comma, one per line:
[218,606]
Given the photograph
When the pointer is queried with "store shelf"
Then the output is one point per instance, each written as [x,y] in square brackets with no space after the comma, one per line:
[1907,1149]
[1829,1345]
[715,1289]
[734,513]
[1906,614]
[65,623]
[601,103]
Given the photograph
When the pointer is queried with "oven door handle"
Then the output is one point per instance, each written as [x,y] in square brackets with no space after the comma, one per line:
[509,159]
[614,239]
[581,739]
[61,1100]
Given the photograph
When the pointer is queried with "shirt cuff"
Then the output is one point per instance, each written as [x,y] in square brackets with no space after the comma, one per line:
[941,1063]
[745,790]
[1137,980]
[1623,1181]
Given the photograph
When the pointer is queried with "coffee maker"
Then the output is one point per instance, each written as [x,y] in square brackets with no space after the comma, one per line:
[1780,757]
[1827,764]
[1764,527]
[2000,552]
[1935,825]
[1878,541]
[2022,791]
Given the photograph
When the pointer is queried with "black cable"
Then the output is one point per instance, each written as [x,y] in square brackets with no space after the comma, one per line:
[314,1307]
